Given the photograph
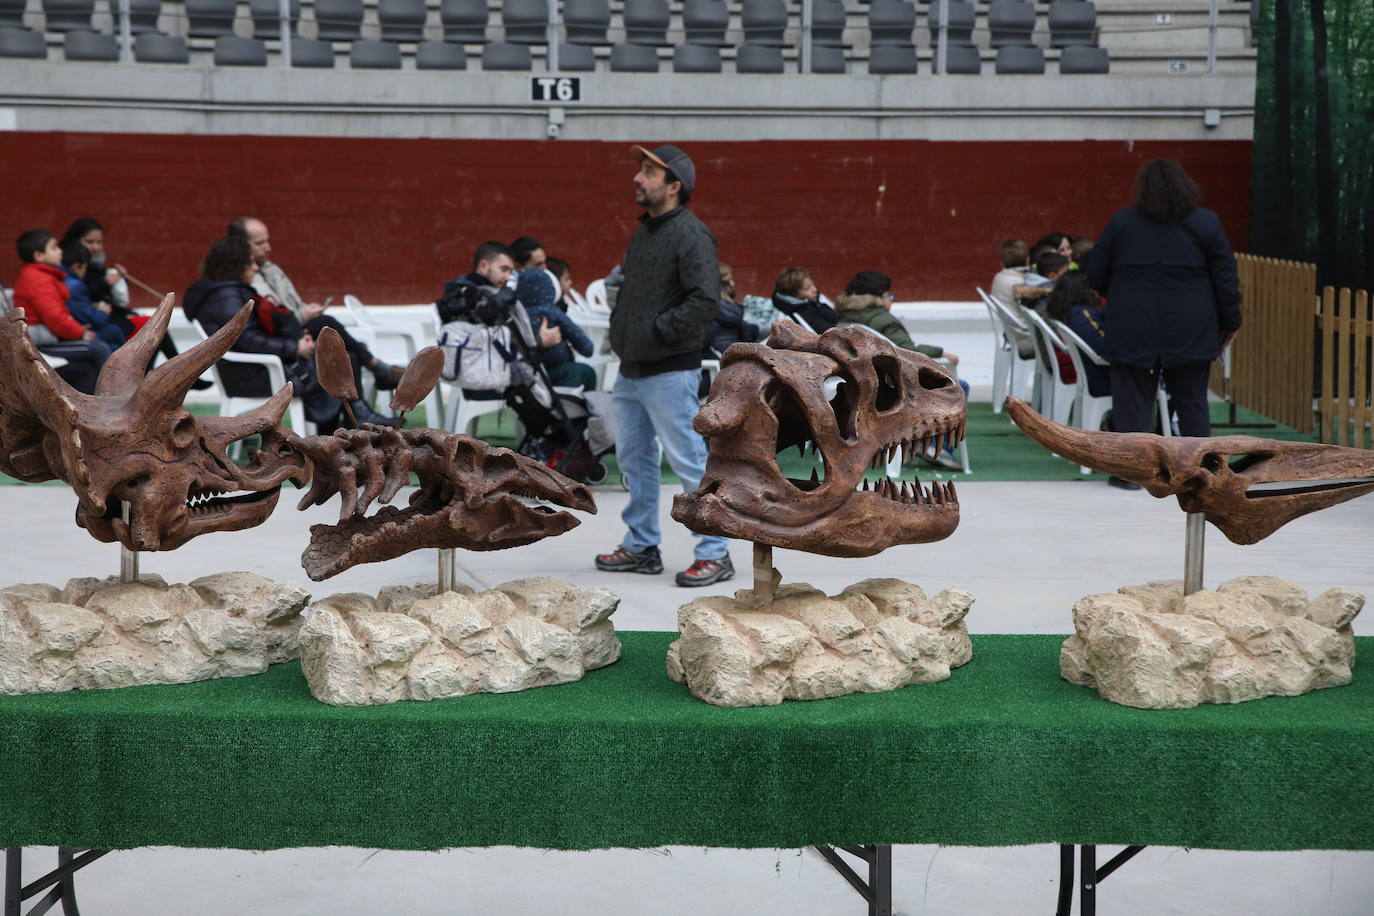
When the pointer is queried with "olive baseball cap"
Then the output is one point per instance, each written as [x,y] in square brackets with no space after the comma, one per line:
[672,159]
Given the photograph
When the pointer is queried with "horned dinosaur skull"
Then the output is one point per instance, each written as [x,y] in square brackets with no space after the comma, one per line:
[856,399]
[470,496]
[1245,486]
[133,445]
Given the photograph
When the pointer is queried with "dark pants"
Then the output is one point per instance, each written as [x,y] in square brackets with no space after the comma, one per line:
[84,359]
[358,353]
[1133,397]
[572,375]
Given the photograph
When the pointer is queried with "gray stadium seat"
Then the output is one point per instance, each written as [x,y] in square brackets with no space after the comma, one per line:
[339,20]
[1072,22]
[210,18]
[12,13]
[526,21]
[1010,22]
[705,22]
[502,55]
[267,17]
[825,59]
[646,22]
[892,59]
[68,15]
[402,20]
[90,46]
[586,21]
[440,55]
[1020,59]
[465,21]
[576,58]
[1080,59]
[142,15]
[692,58]
[370,54]
[828,19]
[233,51]
[764,23]
[891,22]
[758,59]
[961,19]
[311,53]
[962,59]
[634,58]
[23,43]
[156,48]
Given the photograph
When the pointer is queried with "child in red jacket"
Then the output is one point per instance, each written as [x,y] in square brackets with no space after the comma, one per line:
[42,293]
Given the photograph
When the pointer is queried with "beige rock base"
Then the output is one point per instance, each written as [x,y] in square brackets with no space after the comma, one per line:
[1150,647]
[410,643]
[98,633]
[876,635]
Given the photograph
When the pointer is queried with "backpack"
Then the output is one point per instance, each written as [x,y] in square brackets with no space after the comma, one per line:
[479,357]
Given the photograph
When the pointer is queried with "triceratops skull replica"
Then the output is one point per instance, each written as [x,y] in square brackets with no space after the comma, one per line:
[132,447]
[857,400]
[1247,487]
[880,400]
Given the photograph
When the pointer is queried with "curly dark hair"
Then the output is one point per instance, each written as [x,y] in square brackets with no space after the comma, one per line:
[227,259]
[1164,192]
[1071,289]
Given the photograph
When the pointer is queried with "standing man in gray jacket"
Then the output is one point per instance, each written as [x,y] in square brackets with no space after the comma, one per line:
[670,295]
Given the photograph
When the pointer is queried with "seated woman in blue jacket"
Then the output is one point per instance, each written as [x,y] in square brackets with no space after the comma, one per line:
[558,334]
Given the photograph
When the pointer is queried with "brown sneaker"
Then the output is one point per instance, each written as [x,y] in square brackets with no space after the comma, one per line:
[705,572]
[621,560]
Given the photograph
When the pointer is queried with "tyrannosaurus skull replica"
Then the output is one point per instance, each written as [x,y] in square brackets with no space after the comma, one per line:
[132,445]
[859,399]
[1247,487]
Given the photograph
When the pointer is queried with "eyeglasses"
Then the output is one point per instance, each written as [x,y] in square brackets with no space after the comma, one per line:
[889,296]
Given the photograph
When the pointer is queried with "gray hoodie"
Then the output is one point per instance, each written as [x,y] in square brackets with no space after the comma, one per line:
[670,296]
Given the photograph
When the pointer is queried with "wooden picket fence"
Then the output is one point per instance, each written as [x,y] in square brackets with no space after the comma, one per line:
[1346,405]
[1271,360]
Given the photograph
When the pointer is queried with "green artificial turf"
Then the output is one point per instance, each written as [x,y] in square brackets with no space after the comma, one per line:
[1003,753]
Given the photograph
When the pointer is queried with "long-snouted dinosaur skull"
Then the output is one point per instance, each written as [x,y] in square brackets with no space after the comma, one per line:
[860,400]
[1247,487]
[470,496]
[133,445]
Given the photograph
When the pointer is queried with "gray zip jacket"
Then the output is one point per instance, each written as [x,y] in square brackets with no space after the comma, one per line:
[670,296]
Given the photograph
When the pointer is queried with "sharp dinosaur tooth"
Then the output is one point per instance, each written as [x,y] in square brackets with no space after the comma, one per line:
[801,449]
[864,485]
[953,495]
[815,478]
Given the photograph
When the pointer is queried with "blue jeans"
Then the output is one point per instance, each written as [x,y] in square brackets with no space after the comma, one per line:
[647,411]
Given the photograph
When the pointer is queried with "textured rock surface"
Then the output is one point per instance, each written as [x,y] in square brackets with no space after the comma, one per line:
[1150,647]
[878,634]
[99,633]
[410,643]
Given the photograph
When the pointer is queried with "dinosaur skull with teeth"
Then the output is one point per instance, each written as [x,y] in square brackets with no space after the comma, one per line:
[1247,487]
[132,450]
[855,398]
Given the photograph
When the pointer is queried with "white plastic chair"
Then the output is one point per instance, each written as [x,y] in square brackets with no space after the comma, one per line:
[596,297]
[1008,366]
[233,406]
[1056,394]
[409,336]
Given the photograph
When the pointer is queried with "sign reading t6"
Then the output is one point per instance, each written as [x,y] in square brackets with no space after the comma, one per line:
[556,88]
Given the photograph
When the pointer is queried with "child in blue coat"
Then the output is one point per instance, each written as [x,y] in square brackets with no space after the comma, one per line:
[537,291]
[75,261]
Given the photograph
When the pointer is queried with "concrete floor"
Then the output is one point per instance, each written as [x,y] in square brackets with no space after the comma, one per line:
[1026,550]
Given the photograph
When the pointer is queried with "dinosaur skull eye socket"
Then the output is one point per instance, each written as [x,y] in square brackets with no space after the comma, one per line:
[184,431]
[889,374]
[841,395]
[1212,462]
[1244,462]
[932,380]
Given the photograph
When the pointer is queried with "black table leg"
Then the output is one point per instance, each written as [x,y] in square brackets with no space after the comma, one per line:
[1065,881]
[878,889]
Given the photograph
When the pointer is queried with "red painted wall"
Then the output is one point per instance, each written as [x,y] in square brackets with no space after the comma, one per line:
[390,219]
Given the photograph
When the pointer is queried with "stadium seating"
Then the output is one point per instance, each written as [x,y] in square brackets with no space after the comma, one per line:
[758,59]
[339,20]
[22,43]
[369,54]
[402,20]
[585,22]
[1082,59]
[157,48]
[825,59]
[891,22]
[828,19]
[764,23]
[68,15]
[634,58]
[1020,59]
[694,58]
[233,51]
[892,59]
[1010,22]
[705,22]
[1072,22]
[440,55]
[465,21]
[210,18]
[526,21]
[267,17]
[312,53]
[502,55]
[961,21]
[143,15]
[646,22]
[90,46]
[12,13]
[576,58]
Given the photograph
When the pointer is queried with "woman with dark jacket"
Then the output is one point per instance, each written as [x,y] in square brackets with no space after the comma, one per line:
[1173,299]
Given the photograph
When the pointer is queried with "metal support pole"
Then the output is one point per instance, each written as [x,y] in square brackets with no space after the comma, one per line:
[1212,14]
[1087,866]
[14,859]
[126,33]
[942,38]
[880,881]
[446,570]
[1065,907]
[128,559]
[766,578]
[552,59]
[284,13]
[1193,536]
[807,10]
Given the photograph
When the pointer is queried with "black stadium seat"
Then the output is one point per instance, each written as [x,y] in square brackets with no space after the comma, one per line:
[692,58]
[90,46]
[22,43]
[68,15]
[233,51]
[465,21]
[586,21]
[370,54]
[402,20]
[440,55]
[758,59]
[634,58]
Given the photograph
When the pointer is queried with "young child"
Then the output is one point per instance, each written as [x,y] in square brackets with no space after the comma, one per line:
[558,334]
[76,260]
[42,294]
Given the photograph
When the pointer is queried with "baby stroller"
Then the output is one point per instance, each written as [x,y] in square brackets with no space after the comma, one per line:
[569,432]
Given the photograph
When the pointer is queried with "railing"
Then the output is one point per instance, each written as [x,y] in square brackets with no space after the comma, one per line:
[1346,404]
[1271,358]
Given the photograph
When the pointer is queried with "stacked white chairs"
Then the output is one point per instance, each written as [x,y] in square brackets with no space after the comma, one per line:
[1011,372]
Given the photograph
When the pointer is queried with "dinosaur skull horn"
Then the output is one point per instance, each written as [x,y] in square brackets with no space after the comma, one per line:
[1132,456]
[259,419]
[166,386]
[123,372]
